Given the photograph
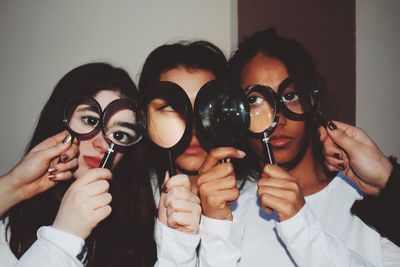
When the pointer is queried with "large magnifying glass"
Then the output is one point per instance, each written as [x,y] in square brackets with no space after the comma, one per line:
[263,116]
[167,119]
[121,127]
[119,122]
[221,114]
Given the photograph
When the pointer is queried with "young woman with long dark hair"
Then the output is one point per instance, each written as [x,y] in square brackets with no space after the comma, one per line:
[117,232]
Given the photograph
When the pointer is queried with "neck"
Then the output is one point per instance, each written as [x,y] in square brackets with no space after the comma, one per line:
[310,174]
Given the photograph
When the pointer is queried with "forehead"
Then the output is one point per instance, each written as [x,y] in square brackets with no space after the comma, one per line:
[191,80]
[264,70]
[105,97]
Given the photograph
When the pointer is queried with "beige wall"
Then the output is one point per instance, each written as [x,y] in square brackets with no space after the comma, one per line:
[378,72]
[43,39]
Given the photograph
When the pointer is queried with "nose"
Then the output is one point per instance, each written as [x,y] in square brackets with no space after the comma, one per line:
[100,143]
[281,120]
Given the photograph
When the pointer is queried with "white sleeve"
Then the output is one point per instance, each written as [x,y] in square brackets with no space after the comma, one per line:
[390,253]
[220,242]
[309,245]
[175,248]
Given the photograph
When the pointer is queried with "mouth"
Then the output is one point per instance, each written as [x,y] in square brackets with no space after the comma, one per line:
[280,141]
[193,149]
[92,162]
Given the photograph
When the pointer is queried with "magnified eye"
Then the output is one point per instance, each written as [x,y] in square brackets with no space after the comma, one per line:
[90,120]
[122,138]
[172,107]
[290,97]
[255,100]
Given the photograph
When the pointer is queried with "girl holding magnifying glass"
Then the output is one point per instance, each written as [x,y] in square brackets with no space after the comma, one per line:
[297,213]
[168,70]
[84,231]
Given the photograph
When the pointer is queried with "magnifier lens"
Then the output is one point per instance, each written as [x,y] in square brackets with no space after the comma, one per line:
[221,113]
[166,121]
[262,111]
[297,98]
[82,115]
[120,127]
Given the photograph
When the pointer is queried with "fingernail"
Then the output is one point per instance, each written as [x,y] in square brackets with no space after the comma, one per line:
[241,153]
[52,170]
[342,166]
[52,176]
[164,188]
[64,158]
[332,126]
[67,139]
[337,155]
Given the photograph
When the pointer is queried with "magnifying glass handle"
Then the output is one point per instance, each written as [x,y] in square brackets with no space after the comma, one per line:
[269,157]
[172,169]
[107,160]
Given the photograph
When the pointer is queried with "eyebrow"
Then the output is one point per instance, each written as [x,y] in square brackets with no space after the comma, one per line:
[89,108]
[124,124]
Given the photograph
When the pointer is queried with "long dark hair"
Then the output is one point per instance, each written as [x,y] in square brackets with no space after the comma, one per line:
[298,62]
[125,238]
[196,55]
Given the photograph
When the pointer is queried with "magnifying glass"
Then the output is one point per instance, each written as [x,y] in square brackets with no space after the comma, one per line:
[167,119]
[119,123]
[82,116]
[263,116]
[121,127]
[221,114]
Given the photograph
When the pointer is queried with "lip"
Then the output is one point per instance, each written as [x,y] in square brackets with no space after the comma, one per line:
[193,149]
[280,141]
[92,162]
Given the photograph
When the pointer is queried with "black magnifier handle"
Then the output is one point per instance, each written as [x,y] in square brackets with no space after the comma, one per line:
[172,169]
[269,155]
[107,160]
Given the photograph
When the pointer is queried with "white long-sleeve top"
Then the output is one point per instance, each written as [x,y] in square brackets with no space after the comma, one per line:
[52,248]
[323,233]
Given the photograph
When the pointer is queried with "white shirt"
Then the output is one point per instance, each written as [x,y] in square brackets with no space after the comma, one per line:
[322,233]
[52,248]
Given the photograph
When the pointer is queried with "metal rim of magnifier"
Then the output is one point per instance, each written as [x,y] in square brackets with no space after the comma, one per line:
[117,105]
[209,92]
[267,92]
[81,100]
[167,89]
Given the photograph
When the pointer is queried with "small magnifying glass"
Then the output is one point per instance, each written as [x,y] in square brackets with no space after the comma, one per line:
[221,114]
[82,116]
[263,116]
[121,127]
[167,119]
[119,123]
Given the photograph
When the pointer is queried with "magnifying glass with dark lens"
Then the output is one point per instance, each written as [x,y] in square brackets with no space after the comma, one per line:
[221,114]
[121,127]
[167,119]
[263,116]
[119,123]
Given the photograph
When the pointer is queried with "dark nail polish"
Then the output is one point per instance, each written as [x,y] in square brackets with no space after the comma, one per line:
[164,188]
[64,158]
[52,170]
[342,166]
[332,126]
